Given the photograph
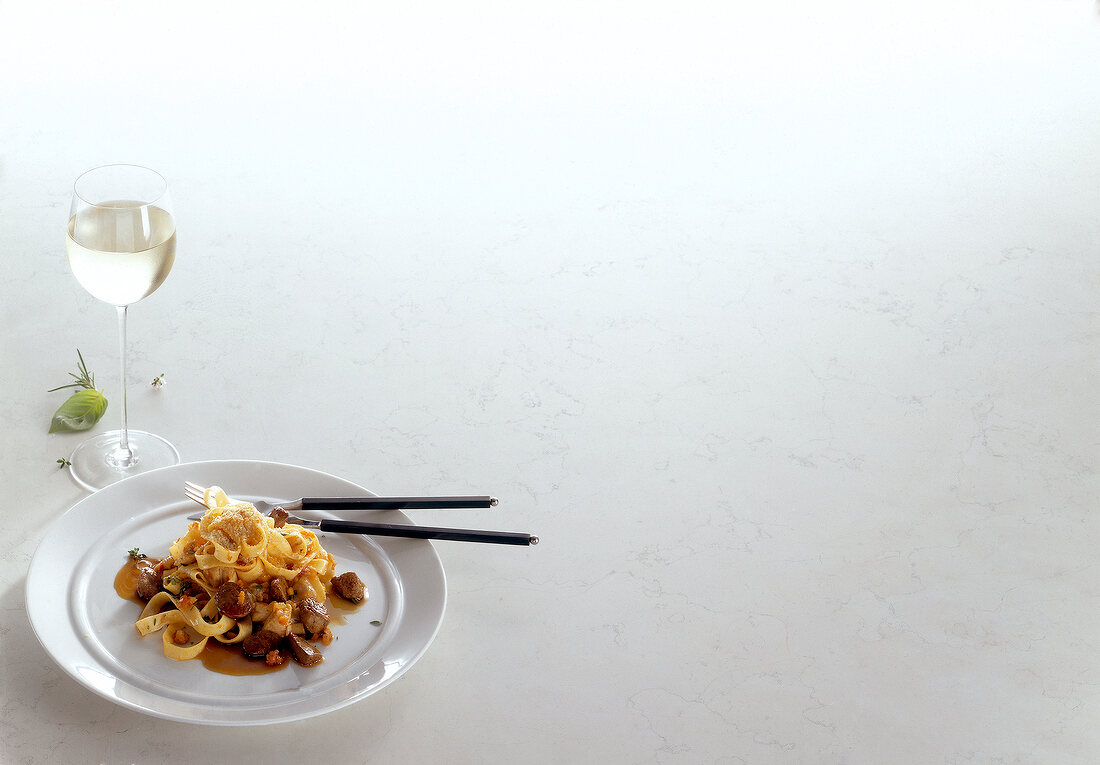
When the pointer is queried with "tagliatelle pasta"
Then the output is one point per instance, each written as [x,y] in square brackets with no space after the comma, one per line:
[234,574]
[235,536]
[195,623]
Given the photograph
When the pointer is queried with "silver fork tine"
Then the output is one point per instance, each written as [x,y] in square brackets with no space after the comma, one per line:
[197,493]
[194,492]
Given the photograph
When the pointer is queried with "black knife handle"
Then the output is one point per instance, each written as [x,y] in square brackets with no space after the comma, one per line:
[395,503]
[428,532]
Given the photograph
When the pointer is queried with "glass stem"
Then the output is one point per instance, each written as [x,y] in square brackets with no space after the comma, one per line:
[124,456]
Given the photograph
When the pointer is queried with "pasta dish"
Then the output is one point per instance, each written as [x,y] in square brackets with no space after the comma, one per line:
[242,578]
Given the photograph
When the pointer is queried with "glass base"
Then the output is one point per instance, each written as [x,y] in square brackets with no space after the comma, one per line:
[98,462]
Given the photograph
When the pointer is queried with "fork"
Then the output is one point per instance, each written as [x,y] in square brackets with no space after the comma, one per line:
[195,493]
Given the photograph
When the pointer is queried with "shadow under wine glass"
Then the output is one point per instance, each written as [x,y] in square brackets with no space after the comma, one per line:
[121,244]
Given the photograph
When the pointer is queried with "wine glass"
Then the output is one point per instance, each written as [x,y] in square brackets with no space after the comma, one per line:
[121,244]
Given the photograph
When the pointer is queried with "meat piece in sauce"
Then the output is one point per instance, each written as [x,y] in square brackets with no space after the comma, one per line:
[259,592]
[278,589]
[260,644]
[349,586]
[304,653]
[280,515]
[281,618]
[312,615]
[233,601]
[148,583]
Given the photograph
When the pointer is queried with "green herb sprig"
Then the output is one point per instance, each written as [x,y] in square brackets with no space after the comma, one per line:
[135,554]
[82,378]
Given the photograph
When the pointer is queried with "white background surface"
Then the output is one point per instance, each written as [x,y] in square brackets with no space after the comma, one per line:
[776,322]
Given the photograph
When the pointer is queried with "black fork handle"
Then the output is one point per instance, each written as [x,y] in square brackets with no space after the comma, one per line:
[429,532]
[395,503]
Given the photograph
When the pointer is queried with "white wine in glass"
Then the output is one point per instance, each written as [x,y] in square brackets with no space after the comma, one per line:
[121,244]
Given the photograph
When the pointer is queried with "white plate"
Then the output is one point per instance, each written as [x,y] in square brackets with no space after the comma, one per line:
[89,630]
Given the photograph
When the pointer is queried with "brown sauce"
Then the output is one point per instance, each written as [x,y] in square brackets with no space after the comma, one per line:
[126,580]
[339,608]
[229,660]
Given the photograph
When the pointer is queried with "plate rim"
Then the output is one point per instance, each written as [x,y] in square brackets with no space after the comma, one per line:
[227,716]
